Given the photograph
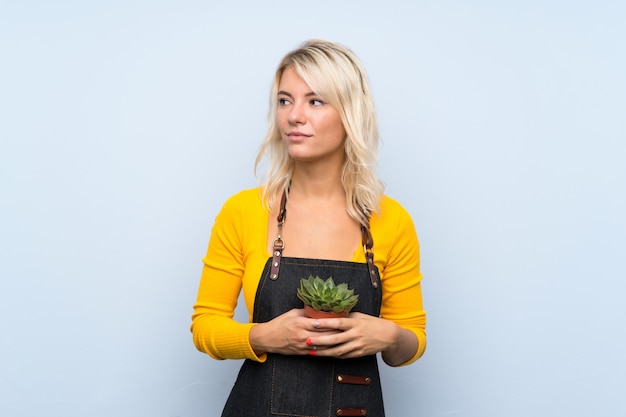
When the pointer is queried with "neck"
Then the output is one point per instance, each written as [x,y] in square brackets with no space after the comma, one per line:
[316,181]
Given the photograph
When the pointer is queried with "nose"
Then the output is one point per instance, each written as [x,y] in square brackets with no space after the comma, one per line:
[297,114]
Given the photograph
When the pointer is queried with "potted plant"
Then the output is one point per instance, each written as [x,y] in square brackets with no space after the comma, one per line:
[323,299]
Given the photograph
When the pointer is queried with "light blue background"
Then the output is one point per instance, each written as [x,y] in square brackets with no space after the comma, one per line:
[124,125]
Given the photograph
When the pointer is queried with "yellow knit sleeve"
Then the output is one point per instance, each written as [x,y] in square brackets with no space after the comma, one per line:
[400,270]
[213,328]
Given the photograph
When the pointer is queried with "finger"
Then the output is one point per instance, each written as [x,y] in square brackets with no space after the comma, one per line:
[330,338]
[338,351]
[329,324]
[311,345]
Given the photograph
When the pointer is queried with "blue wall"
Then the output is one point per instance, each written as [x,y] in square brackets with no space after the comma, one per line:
[124,125]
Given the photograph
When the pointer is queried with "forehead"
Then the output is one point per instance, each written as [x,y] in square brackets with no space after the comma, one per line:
[291,80]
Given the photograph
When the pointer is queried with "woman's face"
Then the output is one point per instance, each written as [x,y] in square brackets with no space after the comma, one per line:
[310,128]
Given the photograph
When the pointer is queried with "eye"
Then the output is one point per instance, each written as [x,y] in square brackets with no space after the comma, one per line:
[317,102]
[282,101]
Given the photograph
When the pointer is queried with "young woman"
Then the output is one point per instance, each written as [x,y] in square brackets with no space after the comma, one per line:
[321,211]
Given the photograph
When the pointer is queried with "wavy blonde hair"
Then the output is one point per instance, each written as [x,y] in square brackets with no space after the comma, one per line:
[335,73]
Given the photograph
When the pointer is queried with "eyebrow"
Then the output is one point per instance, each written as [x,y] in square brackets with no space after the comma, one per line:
[309,94]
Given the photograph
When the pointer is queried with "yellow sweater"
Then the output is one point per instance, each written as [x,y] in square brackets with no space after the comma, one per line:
[237,254]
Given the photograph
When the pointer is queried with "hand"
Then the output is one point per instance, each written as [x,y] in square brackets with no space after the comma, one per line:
[287,334]
[361,335]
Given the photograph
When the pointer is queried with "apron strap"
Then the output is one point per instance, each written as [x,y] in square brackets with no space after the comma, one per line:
[279,245]
[368,244]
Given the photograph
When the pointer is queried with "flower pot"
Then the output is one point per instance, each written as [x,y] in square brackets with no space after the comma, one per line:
[315,314]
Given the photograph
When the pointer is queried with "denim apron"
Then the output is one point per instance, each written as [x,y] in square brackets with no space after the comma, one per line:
[304,385]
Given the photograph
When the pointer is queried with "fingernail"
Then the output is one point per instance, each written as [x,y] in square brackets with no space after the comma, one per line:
[309,341]
[312,352]
[316,324]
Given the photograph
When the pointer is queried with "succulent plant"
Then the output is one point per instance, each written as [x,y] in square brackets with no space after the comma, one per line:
[326,296]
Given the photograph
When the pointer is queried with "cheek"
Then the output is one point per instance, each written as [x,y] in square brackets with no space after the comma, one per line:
[332,123]
[281,121]
[342,132]
[338,129]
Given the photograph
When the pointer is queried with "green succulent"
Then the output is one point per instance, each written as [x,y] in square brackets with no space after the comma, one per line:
[326,296]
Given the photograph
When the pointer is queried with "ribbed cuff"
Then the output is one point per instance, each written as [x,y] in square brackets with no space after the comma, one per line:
[233,342]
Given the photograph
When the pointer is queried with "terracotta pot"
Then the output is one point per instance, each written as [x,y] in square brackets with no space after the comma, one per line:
[315,314]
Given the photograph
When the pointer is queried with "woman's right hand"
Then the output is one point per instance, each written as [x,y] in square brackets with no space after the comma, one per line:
[286,334]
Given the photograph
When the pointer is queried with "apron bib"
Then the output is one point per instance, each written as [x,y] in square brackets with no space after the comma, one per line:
[304,385]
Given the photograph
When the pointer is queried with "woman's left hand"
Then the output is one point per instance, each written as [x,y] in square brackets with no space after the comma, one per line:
[362,335]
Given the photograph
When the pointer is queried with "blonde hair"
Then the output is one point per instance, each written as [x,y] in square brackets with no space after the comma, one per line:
[336,74]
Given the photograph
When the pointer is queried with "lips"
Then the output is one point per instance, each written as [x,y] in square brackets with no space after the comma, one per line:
[298,135]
